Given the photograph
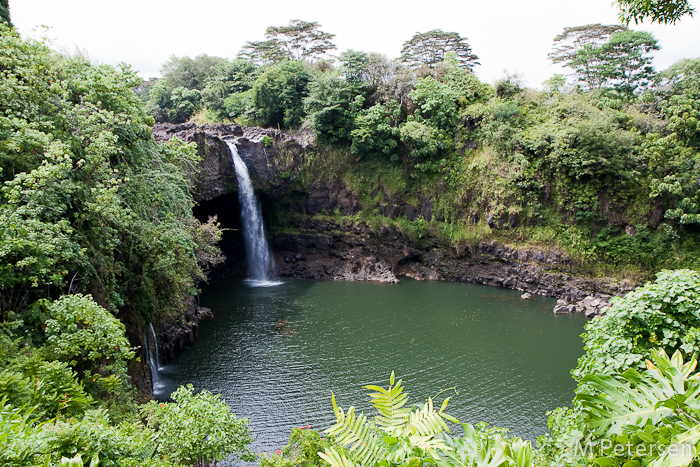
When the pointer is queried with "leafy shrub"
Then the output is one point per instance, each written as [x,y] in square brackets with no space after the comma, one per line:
[436,103]
[664,313]
[599,149]
[329,108]
[84,334]
[57,391]
[198,428]
[425,142]
[278,94]
[373,133]
[239,104]
[301,450]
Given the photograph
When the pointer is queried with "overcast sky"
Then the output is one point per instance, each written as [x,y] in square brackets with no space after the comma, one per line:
[507,35]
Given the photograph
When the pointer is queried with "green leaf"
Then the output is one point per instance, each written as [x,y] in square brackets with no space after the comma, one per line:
[606,462]
[390,440]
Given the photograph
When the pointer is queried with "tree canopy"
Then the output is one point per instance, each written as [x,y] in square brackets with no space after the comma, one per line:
[579,39]
[607,56]
[625,60]
[300,40]
[659,11]
[430,48]
[5,12]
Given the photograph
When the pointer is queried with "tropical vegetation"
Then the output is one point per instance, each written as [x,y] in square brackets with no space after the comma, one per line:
[494,162]
[96,230]
[98,238]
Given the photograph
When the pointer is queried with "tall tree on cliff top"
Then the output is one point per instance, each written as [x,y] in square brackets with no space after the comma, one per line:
[300,40]
[430,48]
[660,11]
[263,52]
[578,41]
[5,12]
[624,62]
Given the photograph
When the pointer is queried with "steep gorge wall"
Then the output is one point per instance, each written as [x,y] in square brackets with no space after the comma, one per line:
[319,247]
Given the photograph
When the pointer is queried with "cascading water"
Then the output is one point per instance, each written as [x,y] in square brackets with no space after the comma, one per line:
[155,344]
[153,360]
[257,251]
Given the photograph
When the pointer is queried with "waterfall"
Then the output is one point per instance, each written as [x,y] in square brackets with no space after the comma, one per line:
[155,342]
[153,360]
[257,252]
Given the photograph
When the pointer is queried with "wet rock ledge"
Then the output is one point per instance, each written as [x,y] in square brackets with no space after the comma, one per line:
[178,335]
[325,250]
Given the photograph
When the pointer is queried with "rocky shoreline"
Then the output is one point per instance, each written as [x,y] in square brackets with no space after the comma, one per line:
[325,250]
[591,306]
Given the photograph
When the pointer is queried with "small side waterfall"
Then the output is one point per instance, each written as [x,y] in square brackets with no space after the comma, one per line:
[155,344]
[257,251]
[152,358]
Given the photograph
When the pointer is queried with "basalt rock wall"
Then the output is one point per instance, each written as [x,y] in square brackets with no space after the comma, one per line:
[325,250]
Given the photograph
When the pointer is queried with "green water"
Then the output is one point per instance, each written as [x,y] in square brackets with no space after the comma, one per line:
[508,359]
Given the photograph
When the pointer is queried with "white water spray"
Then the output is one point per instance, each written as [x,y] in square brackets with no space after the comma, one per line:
[257,251]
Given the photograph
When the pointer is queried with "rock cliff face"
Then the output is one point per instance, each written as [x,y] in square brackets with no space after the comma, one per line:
[272,167]
[310,247]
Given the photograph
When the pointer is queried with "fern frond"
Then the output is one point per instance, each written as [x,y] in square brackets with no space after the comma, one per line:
[336,459]
[429,444]
[396,435]
[357,434]
[389,403]
[467,452]
[426,421]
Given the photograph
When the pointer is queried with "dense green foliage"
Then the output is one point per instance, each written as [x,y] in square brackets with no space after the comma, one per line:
[5,12]
[193,429]
[90,202]
[197,428]
[279,92]
[95,222]
[664,313]
[630,418]
[621,416]
[660,11]
[301,450]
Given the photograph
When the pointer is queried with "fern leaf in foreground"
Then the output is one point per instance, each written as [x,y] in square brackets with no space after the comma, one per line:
[664,399]
[403,437]
[389,403]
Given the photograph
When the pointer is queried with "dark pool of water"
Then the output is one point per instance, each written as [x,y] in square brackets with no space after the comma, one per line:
[276,353]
